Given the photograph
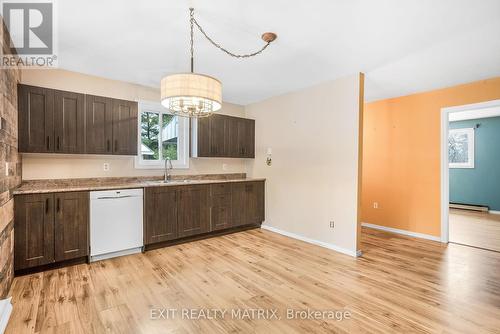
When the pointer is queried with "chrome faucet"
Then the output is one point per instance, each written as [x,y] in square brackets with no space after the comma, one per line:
[168,167]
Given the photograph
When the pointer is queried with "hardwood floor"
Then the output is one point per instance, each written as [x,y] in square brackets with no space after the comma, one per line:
[400,285]
[477,229]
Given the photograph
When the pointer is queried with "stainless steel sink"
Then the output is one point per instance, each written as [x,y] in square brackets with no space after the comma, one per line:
[172,182]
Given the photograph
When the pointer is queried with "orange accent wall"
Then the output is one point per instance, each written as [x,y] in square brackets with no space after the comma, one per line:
[401,155]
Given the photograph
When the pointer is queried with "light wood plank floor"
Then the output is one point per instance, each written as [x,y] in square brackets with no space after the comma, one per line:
[478,229]
[400,285]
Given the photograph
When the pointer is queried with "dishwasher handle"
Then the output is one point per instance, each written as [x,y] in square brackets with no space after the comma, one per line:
[114,197]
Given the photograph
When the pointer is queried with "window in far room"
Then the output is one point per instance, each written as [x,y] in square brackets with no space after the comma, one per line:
[461,148]
[161,136]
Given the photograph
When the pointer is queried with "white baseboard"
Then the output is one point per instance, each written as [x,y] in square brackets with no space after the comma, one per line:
[312,241]
[403,232]
[493,212]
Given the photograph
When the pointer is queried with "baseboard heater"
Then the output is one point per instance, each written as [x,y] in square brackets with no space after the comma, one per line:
[471,207]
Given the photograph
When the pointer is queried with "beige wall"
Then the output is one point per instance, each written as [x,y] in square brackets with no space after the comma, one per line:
[313,135]
[36,166]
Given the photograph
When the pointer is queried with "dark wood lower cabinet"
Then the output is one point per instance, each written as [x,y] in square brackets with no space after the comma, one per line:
[220,213]
[177,212]
[160,214]
[247,203]
[193,215]
[50,228]
[33,230]
[71,225]
[54,228]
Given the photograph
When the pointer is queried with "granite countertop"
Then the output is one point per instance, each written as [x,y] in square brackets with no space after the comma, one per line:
[110,183]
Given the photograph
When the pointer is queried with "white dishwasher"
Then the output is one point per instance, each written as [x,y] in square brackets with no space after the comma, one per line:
[115,223]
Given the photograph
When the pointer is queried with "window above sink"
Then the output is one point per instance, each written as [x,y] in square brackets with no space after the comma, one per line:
[161,135]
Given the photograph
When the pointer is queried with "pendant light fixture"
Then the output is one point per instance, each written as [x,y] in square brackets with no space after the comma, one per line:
[198,95]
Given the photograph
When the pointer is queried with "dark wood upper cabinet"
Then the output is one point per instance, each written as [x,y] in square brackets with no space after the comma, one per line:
[34,230]
[124,127]
[201,137]
[193,210]
[36,119]
[71,225]
[242,134]
[54,121]
[69,122]
[219,136]
[99,117]
[223,136]
[160,214]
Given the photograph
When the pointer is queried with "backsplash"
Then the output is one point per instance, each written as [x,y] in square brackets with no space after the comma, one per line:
[53,166]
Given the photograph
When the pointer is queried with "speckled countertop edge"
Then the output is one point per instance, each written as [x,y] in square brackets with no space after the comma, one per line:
[65,185]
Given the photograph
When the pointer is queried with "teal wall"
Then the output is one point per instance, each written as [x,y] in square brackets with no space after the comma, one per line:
[479,185]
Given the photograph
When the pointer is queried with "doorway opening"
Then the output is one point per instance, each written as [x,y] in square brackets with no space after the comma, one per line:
[470,184]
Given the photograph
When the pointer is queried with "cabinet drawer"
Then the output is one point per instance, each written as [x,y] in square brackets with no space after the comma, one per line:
[220,189]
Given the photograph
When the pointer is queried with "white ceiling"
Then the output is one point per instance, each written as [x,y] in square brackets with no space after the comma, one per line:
[403,46]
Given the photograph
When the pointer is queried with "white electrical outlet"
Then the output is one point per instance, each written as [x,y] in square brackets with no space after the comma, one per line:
[105,166]
[375,205]
[225,166]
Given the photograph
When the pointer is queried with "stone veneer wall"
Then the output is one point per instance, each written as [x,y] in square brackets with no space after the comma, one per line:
[10,165]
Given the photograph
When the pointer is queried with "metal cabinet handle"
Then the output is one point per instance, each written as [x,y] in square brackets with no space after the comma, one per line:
[58,205]
[108,145]
[48,143]
[46,206]
[116,144]
[114,197]
[58,144]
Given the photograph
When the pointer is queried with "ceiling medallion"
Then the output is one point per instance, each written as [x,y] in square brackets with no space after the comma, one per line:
[198,95]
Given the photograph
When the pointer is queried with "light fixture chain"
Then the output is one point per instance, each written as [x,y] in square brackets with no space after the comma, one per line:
[191,10]
[217,45]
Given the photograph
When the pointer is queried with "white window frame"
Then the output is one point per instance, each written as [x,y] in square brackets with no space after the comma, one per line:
[470,133]
[183,139]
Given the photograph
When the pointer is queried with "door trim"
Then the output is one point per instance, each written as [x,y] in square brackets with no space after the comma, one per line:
[445,172]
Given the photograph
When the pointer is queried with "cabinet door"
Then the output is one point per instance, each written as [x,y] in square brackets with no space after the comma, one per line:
[247,203]
[219,136]
[124,127]
[36,119]
[242,138]
[69,121]
[99,116]
[203,136]
[160,210]
[71,225]
[220,211]
[254,199]
[193,210]
[34,230]
[238,204]
[248,141]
